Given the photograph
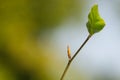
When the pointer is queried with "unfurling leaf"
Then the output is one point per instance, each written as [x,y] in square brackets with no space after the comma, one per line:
[95,22]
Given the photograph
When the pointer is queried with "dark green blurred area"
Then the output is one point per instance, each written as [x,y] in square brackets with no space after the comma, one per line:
[21,21]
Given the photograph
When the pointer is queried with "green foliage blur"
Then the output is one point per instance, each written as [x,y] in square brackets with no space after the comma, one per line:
[22,22]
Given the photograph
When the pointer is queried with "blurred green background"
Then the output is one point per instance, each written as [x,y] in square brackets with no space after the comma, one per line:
[34,35]
[26,29]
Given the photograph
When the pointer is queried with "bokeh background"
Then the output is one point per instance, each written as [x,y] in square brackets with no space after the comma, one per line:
[34,35]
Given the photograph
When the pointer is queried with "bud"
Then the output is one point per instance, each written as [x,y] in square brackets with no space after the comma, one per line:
[68,52]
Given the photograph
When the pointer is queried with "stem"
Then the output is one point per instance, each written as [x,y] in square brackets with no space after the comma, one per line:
[70,61]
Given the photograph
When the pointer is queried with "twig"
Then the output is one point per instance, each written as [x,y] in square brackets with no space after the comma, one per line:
[70,61]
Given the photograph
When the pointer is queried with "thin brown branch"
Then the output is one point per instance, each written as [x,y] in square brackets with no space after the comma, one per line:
[70,61]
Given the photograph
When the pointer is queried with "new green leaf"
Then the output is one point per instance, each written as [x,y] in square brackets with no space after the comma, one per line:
[95,22]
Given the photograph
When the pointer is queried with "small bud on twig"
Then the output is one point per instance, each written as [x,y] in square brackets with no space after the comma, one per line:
[68,52]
